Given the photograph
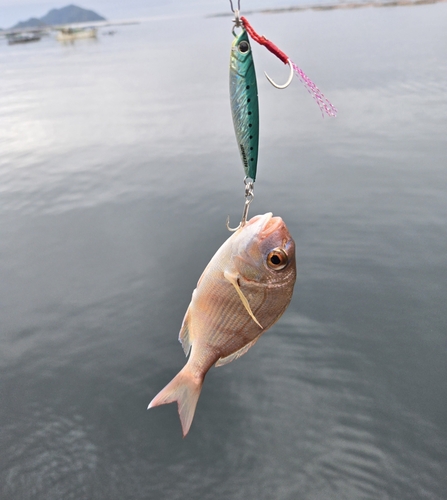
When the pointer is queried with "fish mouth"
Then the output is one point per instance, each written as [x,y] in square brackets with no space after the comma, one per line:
[267,224]
[270,225]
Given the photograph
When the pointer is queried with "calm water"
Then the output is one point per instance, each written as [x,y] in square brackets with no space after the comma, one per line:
[118,167]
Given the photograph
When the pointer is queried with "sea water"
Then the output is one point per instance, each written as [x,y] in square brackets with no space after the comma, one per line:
[118,167]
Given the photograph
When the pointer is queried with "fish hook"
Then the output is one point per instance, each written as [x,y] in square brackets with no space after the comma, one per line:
[249,195]
[289,81]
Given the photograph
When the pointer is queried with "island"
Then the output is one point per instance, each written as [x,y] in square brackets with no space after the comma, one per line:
[66,15]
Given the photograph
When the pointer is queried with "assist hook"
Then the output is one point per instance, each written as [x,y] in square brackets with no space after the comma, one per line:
[273,49]
[323,103]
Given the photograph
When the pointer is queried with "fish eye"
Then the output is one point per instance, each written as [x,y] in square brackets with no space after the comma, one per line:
[244,47]
[277,259]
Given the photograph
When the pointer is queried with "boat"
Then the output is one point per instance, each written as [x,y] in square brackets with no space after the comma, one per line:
[14,38]
[70,34]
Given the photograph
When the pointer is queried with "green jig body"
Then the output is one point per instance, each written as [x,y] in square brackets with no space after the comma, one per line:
[244,102]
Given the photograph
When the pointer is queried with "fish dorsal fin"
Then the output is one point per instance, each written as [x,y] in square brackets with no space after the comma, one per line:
[237,354]
[183,336]
[233,279]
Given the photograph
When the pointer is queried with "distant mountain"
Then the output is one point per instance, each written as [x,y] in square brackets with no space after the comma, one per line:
[65,15]
[32,22]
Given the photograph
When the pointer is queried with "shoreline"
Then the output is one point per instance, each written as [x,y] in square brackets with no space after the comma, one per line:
[353,5]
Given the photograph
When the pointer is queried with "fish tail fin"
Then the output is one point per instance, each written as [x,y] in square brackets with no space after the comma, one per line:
[185,389]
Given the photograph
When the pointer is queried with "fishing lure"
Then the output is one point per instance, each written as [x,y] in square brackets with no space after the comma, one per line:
[244,102]
[244,109]
[244,98]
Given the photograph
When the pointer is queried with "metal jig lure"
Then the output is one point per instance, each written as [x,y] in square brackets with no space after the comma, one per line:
[244,102]
[244,98]
[244,108]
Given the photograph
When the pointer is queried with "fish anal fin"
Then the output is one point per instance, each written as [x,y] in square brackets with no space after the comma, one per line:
[237,354]
[233,279]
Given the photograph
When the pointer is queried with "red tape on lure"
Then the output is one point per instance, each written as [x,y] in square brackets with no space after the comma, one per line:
[323,103]
[263,41]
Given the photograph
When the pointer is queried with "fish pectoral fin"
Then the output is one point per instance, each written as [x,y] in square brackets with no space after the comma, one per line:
[237,354]
[233,279]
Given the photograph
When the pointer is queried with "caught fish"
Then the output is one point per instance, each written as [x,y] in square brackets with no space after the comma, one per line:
[242,292]
[244,102]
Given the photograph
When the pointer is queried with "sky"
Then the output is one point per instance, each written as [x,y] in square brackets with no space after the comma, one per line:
[13,11]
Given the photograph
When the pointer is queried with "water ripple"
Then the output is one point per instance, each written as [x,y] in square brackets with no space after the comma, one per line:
[46,455]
